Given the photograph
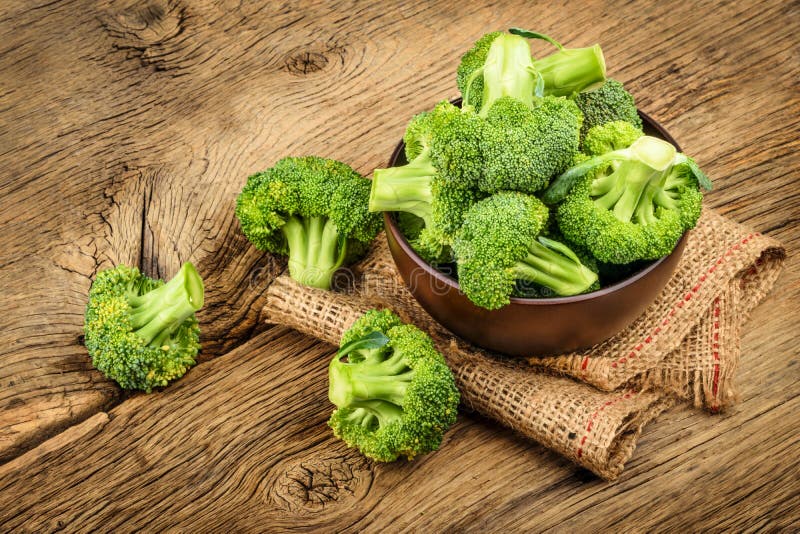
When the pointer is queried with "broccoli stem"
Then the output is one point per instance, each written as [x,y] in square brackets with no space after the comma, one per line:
[156,314]
[550,268]
[630,181]
[406,188]
[316,250]
[356,382]
[372,414]
[572,70]
[508,71]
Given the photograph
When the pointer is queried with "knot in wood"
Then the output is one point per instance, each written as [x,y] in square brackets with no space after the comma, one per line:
[311,486]
[307,61]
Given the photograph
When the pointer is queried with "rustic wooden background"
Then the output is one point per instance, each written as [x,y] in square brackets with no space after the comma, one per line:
[127,129]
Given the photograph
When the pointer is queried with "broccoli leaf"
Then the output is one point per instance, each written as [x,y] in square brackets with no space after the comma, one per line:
[373,340]
[534,35]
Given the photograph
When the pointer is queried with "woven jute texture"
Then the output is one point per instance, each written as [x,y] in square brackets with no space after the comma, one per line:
[685,346]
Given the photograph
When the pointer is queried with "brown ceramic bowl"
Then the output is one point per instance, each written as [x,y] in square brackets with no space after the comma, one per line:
[529,327]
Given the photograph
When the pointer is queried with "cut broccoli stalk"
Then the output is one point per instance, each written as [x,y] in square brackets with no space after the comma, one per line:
[553,265]
[377,387]
[572,70]
[316,250]
[406,188]
[629,190]
[155,315]
[372,415]
[373,387]
[510,71]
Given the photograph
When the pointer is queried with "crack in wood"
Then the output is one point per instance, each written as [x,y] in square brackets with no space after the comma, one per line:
[312,484]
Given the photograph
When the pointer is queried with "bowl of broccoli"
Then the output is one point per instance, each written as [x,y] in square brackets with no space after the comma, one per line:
[542,212]
[518,318]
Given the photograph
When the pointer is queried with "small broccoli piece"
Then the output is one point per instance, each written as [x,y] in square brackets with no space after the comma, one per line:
[610,136]
[141,332]
[394,394]
[435,185]
[632,204]
[524,147]
[500,243]
[500,64]
[312,209]
[410,225]
[609,103]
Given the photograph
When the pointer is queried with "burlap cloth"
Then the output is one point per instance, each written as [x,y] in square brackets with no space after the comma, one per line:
[684,347]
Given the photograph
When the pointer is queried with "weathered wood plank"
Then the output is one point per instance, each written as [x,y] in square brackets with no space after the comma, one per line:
[126,130]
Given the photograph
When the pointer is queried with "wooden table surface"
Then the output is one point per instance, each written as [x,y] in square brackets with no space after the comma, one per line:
[126,131]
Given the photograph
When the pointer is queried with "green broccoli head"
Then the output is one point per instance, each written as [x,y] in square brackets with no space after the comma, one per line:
[610,136]
[632,204]
[456,144]
[312,209]
[436,184]
[394,394]
[141,332]
[524,147]
[500,65]
[609,103]
[500,243]
[417,135]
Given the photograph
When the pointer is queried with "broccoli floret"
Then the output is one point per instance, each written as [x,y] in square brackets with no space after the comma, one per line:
[141,332]
[312,209]
[435,185]
[610,136]
[394,394]
[500,243]
[524,147]
[526,289]
[631,204]
[410,225]
[500,64]
[609,103]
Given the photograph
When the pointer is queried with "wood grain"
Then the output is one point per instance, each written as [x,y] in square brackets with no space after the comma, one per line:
[126,130]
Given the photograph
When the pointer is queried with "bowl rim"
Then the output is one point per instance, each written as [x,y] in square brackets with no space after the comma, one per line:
[391,226]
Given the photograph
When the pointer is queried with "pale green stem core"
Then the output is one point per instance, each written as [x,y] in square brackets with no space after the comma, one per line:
[549,268]
[406,188]
[508,71]
[572,70]
[374,414]
[316,250]
[377,387]
[650,152]
[156,314]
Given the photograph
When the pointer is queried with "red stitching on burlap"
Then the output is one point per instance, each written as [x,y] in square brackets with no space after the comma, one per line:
[715,353]
[592,418]
[585,363]
[680,304]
